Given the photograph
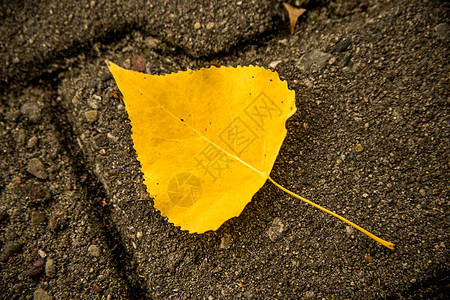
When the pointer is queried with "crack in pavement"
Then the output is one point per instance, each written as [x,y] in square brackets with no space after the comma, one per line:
[95,194]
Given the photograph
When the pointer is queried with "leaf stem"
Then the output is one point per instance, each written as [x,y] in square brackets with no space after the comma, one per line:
[379,240]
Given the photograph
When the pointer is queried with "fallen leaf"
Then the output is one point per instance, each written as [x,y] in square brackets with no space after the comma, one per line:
[207,140]
[294,14]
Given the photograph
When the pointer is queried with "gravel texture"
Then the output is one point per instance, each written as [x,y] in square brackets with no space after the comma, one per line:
[38,37]
[369,141]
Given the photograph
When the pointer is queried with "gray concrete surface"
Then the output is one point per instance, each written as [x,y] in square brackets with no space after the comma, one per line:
[369,141]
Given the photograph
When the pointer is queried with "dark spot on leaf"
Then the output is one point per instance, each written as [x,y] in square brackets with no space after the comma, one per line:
[182,120]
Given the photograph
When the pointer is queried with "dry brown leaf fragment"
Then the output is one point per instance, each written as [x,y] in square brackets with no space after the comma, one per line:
[294,14]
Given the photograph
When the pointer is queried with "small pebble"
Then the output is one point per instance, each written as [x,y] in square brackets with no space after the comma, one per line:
[101,140]
[332,60]
[111,136]
[126,64]
[32,142]
[40,294]
[91,115]
[97,288]
[368,258]
[36,168]
[346,61]
[210,25]
[305,125]
[275,230]
[442,30]
[21,138]
[309,295]
[138,63]
[359,148]
[12,116]
[12,248]
[93,103]
[42,253]
[422,192]
[94,250]
[342,46]
[16,181]
[349,229]
[314,60]
[226,241]
[37,218]
[32,111]
[365,195]
[274,64]
[34,272]
[197,25]
[105,76]
[50,268]
[39,263]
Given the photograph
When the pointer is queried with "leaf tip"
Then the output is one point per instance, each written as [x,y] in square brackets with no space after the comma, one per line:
[108,63]
[112,67]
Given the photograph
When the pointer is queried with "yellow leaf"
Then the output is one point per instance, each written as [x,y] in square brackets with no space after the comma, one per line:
[294,14]
[207,140]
